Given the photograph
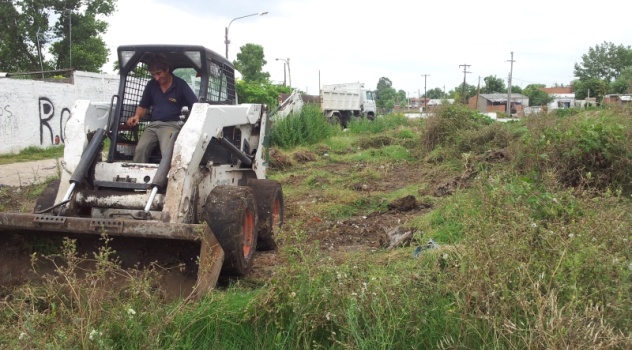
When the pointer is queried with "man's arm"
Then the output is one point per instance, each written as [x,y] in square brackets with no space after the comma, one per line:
[140,113]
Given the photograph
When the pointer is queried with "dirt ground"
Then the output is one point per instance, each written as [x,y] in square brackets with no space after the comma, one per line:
[377,230]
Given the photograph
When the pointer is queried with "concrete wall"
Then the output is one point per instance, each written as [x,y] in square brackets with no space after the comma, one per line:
[34,113]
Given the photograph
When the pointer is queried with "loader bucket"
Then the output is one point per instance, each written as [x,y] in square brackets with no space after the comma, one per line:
[211,255]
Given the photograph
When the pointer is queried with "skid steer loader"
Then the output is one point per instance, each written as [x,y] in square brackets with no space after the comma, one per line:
[210,187]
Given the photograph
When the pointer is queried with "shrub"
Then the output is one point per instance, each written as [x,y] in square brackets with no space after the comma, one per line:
[306,128]
[585,151]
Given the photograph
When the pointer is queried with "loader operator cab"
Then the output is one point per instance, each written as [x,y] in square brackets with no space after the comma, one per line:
[211,77]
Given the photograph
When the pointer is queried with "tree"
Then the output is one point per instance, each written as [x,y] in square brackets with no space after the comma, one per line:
[457,92]
[623,84]
[25,23]
[515,89]
[493,85]
[18,37]
[89,51]
[605,61]
[436,93]
[537,96]
[400,98]
[386,94]
[256,92]
[250,61]
[383,83]
[593,88]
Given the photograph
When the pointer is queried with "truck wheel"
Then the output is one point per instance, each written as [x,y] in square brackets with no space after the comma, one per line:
[47,198]
[269,195]
[231,213]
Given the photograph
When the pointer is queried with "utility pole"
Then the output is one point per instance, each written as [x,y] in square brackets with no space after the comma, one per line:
[425,97]
[509,87]
[464,75]
[478,90]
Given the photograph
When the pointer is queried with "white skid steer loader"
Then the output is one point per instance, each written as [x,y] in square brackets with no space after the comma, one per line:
[210,187]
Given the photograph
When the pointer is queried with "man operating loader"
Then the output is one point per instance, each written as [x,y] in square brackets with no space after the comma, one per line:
[167,94]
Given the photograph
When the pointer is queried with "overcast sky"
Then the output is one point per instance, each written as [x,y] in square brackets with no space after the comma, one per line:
[340,41]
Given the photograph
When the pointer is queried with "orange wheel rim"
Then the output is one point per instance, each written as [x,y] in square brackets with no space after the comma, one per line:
[276,213]
[249,232]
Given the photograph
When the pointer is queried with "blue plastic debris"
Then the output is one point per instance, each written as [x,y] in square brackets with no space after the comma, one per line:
[430,245]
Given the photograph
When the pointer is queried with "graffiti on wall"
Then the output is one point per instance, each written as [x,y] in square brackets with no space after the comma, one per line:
[8,120]
[48,128]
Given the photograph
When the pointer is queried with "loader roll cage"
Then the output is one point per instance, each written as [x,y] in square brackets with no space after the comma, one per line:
[211,77]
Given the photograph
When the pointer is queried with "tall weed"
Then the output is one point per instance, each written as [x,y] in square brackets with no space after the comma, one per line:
[587,151]
[305,128]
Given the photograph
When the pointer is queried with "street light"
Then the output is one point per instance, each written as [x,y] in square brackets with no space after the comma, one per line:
[70,34]
[226,41]
[287,63]
[39,49]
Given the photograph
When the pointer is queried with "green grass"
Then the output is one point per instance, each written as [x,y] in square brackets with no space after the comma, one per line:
[32,153]
[527,259]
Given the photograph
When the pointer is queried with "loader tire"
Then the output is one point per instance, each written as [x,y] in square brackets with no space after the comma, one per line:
[47,198]
[269,196]
[231,213]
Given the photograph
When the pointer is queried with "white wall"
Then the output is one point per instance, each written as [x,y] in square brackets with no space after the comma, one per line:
[33,113]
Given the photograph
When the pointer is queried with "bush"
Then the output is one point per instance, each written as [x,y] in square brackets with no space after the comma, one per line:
[305,128]
[587,150]
[453,126]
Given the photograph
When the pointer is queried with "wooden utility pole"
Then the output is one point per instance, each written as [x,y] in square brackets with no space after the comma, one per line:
[509,87]
[464,75]
[478,90]
[425,97]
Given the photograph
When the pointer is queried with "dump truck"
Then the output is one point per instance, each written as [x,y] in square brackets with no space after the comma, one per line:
[209,188]
[340,102]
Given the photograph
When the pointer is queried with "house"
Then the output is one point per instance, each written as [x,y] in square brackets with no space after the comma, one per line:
[617,99]
[497,103]
[563,97]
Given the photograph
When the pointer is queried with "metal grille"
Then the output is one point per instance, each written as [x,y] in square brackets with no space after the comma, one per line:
[135,84]
[221,88]
[133,91]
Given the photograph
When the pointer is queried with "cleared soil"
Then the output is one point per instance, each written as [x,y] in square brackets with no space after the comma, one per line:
[377,230]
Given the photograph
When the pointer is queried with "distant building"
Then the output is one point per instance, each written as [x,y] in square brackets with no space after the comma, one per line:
[617,99]
[497,102]
[563,97]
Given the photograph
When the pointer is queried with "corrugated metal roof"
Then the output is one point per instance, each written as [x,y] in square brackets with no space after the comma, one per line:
[503,97]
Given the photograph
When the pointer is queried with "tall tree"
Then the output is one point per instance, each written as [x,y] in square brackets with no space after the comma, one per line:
[605,61]
[386,94]
[21,24]
[81,47]
[623,84]
[26,30]
[383,83]
[493,84]
[250,61]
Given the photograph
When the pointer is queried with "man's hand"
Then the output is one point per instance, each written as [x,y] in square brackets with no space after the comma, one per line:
[133,121]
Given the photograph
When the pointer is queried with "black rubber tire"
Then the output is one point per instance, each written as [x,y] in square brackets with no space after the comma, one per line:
[231,213]
[47,198]
[269,196]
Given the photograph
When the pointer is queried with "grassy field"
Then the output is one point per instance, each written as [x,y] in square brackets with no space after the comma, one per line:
[517,236]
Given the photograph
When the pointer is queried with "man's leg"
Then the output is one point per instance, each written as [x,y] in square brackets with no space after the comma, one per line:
[146,145]
[164,134]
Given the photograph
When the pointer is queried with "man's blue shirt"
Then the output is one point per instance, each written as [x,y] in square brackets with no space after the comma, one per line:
[167,106]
